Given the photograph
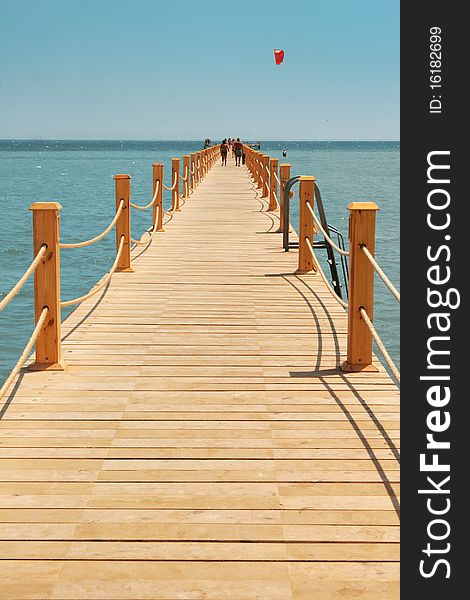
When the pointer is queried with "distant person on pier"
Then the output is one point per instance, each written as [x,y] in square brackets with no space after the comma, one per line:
[224,152]
[238,149]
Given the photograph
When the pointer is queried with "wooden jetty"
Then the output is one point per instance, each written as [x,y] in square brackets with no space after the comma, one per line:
[193,436]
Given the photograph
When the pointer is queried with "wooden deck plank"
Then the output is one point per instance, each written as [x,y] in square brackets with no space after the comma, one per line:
[203,442]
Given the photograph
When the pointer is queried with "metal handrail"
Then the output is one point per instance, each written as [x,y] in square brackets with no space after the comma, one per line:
[329,250]
[317,244]
[344,260]
[286,209]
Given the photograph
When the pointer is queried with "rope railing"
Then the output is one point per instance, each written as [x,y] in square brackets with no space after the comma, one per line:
[27,274]
[361,330]
[151,203]
[46,226]
[393,368]
[175,181]
[380,273]
[101,283]
[22,359]
[360,273]
[323,276]
[101,235]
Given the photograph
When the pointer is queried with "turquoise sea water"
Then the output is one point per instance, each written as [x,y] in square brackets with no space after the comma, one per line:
[79,175]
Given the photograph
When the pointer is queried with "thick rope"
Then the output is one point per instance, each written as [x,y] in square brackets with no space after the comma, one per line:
[185,177]
[29,271]
[152,202]
[323,276]
[378,341]
[25,353]
[101,235]
[380,273]
[101,283]
[276,178]
[325,235]
[175,181]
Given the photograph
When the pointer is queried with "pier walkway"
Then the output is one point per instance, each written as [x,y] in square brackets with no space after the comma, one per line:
[202,442]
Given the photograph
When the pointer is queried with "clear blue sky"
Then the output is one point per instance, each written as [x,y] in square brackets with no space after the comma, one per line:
[152,69]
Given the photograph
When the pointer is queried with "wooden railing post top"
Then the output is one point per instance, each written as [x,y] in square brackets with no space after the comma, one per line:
[307,178]
[45,206]
[121,176]
[363,206]
[274,161]
[175,158]
[157,164]
[285,165]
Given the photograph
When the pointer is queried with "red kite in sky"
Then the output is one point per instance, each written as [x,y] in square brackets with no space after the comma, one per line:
[278,56]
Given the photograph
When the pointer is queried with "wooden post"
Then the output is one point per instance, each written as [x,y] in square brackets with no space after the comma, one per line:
[175,194]
[258,169]
[186,172]
[192,176]
[247,158]
[284,176]
[361,286]
[196,169]
[46,230]
[123,224]
[306,224]
[158,206]
[273,183]
[265,171]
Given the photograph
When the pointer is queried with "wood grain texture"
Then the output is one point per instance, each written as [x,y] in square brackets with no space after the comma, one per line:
[203,442]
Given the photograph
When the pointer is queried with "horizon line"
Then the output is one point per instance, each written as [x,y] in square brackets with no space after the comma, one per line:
[76,139]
